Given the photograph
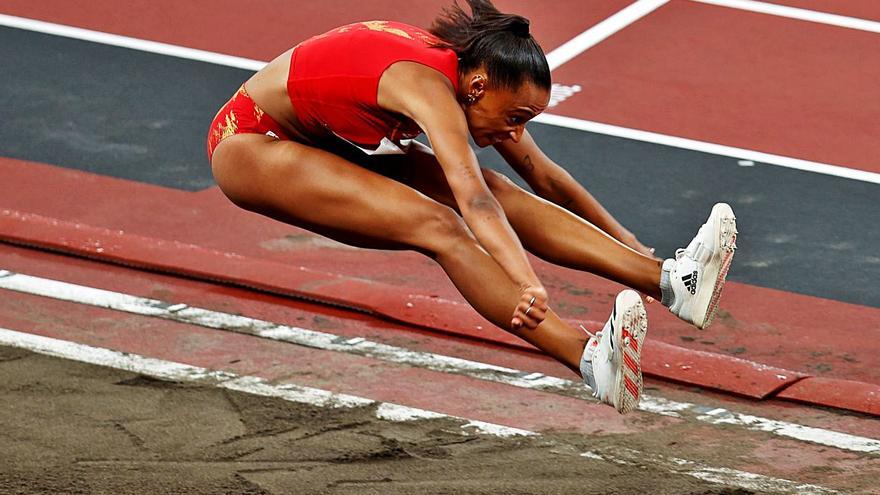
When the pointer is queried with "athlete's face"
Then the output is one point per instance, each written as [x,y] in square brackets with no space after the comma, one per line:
[499,114]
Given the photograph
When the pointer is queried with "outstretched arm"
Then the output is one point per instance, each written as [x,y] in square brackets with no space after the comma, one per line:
[555,184]
[425,96]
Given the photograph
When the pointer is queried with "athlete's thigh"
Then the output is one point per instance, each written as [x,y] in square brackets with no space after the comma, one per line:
[322,192]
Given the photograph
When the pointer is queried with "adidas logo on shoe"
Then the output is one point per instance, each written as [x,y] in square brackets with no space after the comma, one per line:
[690,282]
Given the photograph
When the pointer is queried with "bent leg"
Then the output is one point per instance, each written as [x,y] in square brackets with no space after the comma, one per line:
[326,194]
[550,231]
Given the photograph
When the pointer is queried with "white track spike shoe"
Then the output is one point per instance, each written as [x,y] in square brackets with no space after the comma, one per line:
[611,363]
[692,282]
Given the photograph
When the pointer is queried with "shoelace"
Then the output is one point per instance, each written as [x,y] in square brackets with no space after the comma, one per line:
[598,337]
[595,392]
[683,251]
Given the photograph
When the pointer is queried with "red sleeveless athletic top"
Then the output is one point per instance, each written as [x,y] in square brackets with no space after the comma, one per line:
[334,79]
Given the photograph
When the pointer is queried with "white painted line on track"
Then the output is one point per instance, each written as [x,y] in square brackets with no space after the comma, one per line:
[128,42]
[702,146]
[727,476]
[179,372]
[437,362]
[173,371]
[598,33]
[799,14]
[560,121]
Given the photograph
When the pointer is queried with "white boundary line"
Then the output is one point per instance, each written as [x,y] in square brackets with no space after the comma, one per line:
[437,362]
[715,149]
[557,120]
[173,371]
[128,42]
[598,33]
[799,14]
[641,8]
[742,479]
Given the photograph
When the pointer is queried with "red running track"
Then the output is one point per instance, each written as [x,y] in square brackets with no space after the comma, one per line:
[684,45]
[742,79]
[262,29]
[861,9]
[188,233]
[716,74]
[342,372]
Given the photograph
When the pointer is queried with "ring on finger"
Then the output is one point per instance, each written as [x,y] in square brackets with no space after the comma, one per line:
[532,301]
[527,310]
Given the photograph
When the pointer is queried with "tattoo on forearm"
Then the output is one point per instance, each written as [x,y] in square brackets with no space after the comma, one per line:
[528,166]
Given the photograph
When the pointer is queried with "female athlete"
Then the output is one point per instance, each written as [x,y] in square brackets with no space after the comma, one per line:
[322,138]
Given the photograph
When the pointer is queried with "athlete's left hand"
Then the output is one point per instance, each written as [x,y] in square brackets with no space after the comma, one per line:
[630,240]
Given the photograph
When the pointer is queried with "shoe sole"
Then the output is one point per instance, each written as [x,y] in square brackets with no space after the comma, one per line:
[631,318]
[724,229]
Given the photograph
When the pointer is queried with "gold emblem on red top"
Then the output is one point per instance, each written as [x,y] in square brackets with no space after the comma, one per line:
[383,26]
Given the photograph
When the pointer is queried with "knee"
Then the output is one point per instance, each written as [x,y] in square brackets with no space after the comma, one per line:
[499,184]
[234,191]
[227,183]
[238,170]
[228,171]
[441,231]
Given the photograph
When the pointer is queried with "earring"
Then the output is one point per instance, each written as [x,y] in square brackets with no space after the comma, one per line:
[471,98]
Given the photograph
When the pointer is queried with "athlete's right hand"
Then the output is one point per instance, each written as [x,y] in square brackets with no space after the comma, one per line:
[531,309]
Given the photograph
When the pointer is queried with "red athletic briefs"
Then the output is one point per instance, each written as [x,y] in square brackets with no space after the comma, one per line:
[241,115]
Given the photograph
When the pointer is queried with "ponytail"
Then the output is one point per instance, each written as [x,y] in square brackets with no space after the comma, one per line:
[501,43]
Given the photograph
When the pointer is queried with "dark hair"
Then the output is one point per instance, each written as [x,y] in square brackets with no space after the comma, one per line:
[499,42]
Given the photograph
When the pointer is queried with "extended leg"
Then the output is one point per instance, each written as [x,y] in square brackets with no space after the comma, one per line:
[324,193]
[549,231]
